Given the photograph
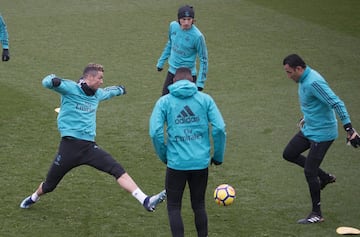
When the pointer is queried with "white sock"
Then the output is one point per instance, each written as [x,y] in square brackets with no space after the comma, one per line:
[139,195]
[35,197]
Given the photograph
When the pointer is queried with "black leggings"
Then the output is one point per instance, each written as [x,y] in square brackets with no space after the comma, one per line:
[311,164]
[73,153]
[175,184]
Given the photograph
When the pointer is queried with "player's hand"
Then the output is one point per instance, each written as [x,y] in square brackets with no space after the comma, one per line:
[56,82]
[215,162]
[301,123]
[159,69]
[352,138]
[5,55]
[123,89]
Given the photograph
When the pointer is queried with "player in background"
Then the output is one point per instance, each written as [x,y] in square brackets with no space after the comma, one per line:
[185,43]
[318,129]
[187,114]
[77,126]
[4,39]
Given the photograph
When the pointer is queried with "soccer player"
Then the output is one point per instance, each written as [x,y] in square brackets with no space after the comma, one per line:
[187,113]
[318,129]
[4,39]
[77,126]
[185,43]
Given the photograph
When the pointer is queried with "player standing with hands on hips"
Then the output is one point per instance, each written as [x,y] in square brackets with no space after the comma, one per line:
[318,129]
[185,43]
[77,126]
[187,113]
[4,39]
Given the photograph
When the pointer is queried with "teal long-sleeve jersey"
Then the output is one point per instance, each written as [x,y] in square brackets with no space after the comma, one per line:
[319,104]
[187,113]
[4,36]
[181,50]
[77,116]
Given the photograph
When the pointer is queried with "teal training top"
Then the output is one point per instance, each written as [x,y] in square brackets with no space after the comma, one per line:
[77,116]
[181,50]
[4,37]
[187,114]
[318,104]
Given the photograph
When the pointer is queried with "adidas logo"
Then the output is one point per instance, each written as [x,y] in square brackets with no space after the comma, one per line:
[315,219]
[57,159]
[186,115]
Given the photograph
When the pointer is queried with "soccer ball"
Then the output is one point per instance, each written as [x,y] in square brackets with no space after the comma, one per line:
[224,195]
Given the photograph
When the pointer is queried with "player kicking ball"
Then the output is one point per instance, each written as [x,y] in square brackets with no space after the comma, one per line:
[77,126]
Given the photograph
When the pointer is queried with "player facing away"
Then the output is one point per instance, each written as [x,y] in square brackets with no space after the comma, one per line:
[4,39]
[187,115]
[77,126]
[185,43]
[318,129]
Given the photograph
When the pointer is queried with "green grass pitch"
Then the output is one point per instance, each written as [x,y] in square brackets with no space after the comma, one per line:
[247,40]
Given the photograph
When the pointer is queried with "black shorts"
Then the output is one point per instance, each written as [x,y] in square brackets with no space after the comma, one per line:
[72,153]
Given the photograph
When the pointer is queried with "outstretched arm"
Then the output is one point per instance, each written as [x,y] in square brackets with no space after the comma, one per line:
[4,39]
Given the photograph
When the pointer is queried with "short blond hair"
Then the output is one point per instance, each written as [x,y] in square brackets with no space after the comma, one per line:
[93,68]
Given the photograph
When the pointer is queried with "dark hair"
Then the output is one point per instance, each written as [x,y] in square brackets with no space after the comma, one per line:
[183,73]
[294,60]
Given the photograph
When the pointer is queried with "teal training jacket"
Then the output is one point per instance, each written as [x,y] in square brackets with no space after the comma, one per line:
[77,117]
[4,37]
[181,50]
[187,113]
[318,104]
